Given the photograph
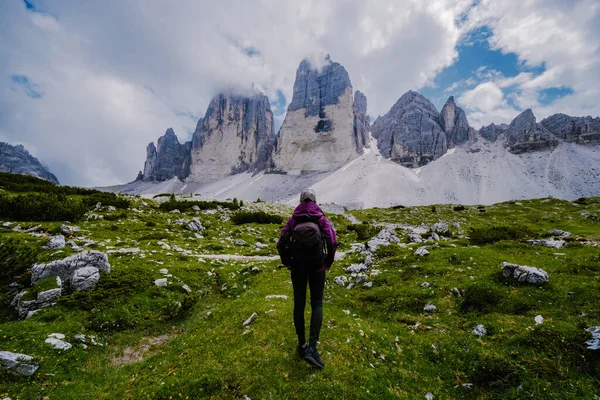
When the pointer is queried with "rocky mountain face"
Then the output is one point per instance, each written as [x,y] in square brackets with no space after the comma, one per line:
[573,129]
[492,131]
[524,134]
[236,134]
[167,160]
[325,125]
[17,160]
[411,132]
[453,121]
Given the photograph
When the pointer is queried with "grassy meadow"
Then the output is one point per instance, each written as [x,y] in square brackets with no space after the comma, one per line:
[377,342]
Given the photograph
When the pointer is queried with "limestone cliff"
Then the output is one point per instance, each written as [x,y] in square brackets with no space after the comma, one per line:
[524,134]
[17,160]
[573,129]
[411,133]
[167,160]
[453,121]
[318,133]
[235,135]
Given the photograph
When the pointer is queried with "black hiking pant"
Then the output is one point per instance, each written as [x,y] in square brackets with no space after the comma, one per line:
[316,281]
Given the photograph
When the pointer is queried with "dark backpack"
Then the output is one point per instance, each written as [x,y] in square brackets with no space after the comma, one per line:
[308,244]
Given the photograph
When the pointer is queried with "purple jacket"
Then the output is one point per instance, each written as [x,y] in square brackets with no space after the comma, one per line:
[311,209]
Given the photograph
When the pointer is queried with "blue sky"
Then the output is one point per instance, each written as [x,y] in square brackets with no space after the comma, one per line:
[88,84]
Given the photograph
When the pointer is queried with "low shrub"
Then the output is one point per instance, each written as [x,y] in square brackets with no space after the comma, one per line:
[481,297]
[259,217]
[184,205]
[16,257]
[458,208]
[41,207]
[492,234]
[364,231]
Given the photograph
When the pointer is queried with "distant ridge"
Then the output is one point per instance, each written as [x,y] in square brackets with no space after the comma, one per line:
[17,160]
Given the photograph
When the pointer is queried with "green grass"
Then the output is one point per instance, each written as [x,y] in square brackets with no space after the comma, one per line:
[376,342]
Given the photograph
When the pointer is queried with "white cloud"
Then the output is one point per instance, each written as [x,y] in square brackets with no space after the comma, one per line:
[116,74]
[486,104]
[559,36]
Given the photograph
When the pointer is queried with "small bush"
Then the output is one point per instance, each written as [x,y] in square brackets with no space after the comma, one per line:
[16,257]
[482,298]
[150,224]
[494,234]
[493,371]
[364,231]
[41,207]
[115,217]
[458,208]
[259,217]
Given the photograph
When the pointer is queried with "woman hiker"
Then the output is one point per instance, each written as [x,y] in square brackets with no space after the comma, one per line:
[307,247]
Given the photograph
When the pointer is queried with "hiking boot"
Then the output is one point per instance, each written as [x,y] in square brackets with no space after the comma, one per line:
[313,358]
[302,350]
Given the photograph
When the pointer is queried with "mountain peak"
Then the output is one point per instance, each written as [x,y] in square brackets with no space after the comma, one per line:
[17,160]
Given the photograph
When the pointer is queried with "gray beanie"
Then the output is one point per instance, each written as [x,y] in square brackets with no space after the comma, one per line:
[308,194]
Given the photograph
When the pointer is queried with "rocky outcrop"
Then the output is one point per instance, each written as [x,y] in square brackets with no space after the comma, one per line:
[492,131]
[362,121]
[573,129]
[78,272]
[167,160]
[453,121]
[411,133]
[524,134]
[318,132]
[18,364]
[17,160]
[235,135]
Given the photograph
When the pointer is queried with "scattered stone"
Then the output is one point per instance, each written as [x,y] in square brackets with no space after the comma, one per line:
[85,278]
[276,296]
[429,307]
[181,221]
[56,242]
[111,208]
[539,320]
[175,211]
[255,271]
[422,251]
[360,278]
[195,207]
[74,246]
[163,271]
[16,363]
[435,236]
[56,340]
[350,286]
[479,331]
[260,245]
[66,269]
[555,244]
[440,227]
[195,226]
[355,268]
[340,280]
[69,229]
[594,342]
[130,250]
[561,233]
[425,285]
[162,282]
[249,320]
[524,273]
[455,292]
[239,242]
[416,238]
[429,396]
[368,284]
[164,245]
[7,224]
[385,237]
[186,288]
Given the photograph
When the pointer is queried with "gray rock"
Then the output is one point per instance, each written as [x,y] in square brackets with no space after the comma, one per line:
[255,271]
[68,230]
[239,242]
[341,280]
[425,285]
[410,133]
[240,128]
[55,340]
[385,237]
[492,131]
[555,244]
[85,278]
[440,227]
[168,160]
[74,246]
[16,363]
[361,121]
[48,297]
[368,284]
[125,250]
[65,269]
[360,278]
[316,88]
[276,296]
[524,273]
[525,135]
[561,233]
[422,251]
[195,226]
[250,319]
[573,129]
[186,288]
[435,236]
[429,307]
[453,121]
[56,242]
[594,342]
[415,238]
[17,160]
[479,331]
[355,268]
[162,282]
